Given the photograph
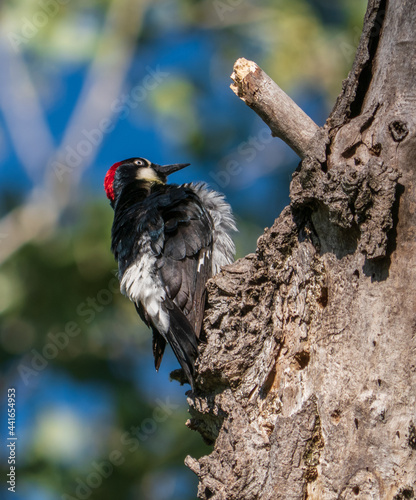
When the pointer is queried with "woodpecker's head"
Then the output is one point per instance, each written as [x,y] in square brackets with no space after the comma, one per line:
[126,171]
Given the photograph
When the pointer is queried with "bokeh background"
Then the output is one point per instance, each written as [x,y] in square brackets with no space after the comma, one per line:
[86,84]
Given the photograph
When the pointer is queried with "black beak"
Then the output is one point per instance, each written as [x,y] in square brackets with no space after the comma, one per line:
[168,169]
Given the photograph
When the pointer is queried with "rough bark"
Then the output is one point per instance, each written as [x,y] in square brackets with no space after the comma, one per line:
[306,385]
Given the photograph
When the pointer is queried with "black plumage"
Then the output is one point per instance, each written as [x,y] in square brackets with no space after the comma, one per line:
[162,238]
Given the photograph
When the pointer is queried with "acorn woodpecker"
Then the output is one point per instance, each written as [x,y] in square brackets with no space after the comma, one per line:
[168,240]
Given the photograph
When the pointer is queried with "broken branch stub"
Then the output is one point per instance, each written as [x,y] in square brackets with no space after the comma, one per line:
[284,117]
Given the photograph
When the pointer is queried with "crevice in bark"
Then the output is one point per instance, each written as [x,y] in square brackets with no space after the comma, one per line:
[312,452]
[268,383]
[379,270]
[348,98]
[366,73]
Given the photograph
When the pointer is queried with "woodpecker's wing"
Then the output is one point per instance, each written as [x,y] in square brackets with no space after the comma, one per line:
[181,240]
[184,252]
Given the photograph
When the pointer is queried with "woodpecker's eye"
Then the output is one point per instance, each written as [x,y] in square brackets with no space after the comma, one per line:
[139,163]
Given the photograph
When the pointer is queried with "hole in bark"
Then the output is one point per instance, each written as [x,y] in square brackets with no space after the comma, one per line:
[398,434]
[336,416]
[374,343]
[356,423]
[302,359]
[404,493]
[379,381]
[351,151]
[356,490]
[208,493]
[356,273]
[376,148]
[398,130]
[323,299]
[412,436]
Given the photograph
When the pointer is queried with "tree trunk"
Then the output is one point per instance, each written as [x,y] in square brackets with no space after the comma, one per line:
[307,382]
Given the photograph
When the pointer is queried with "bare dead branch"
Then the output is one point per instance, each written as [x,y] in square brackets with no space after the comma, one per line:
[284,117]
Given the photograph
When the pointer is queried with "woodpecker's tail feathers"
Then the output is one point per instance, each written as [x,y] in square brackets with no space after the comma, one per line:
[182,339]
[159,344]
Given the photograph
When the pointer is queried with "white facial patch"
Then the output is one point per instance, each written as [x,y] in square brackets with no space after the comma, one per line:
[147,174]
